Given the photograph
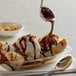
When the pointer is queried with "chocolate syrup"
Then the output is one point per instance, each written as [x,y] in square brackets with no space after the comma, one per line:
[11,56]
[8,48]
[25,56]
[52,26]
[18,51]
[11,66]
[47,42]
[22,47]
[3,57]
[47,13]
[16,47]
[7,63]
[31,40]
[49,16]
[42,53]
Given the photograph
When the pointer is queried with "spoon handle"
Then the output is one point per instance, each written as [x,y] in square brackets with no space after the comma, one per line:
[51,72]
[65,71]
[41,3]
[54,72]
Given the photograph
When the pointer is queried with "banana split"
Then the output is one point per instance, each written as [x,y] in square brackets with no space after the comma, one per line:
[28,48]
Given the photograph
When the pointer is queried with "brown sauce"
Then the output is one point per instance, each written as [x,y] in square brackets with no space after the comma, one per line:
[33,43]
[11,66]
[48,15]
[47,42]
[16,47]
[8,48]
[3,57]
[22,47]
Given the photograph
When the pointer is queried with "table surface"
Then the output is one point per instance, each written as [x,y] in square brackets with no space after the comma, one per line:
[27,13]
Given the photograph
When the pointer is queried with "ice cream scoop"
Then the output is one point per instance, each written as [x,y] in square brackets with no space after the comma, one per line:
[28,46]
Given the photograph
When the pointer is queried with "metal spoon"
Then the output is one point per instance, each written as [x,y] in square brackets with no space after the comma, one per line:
[47,15]
[61,65]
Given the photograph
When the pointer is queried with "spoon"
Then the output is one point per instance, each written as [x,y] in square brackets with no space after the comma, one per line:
[61,65]
[47,15]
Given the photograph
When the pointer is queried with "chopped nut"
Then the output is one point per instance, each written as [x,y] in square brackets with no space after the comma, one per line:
[9,28]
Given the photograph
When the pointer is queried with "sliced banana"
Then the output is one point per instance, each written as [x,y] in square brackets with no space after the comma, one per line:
[15,58]
[60,47]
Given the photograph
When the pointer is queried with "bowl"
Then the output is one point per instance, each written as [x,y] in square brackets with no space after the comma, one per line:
[9,33]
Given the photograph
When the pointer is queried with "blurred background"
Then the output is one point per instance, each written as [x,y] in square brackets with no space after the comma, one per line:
[27,13]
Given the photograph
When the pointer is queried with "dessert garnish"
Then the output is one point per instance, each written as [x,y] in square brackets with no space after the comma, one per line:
[9,28]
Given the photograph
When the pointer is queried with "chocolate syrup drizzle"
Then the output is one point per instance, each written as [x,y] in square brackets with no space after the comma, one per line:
[48,41]
[31,40]
[3,57]
[8,48]
[10,66]
[49,16]
[22,47]
[46,44]
[18,51]
[16,47]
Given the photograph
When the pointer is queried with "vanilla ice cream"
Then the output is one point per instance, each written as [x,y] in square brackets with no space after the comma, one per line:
[28,46]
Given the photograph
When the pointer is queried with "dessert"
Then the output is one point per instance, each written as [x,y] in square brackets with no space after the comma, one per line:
[27,48]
